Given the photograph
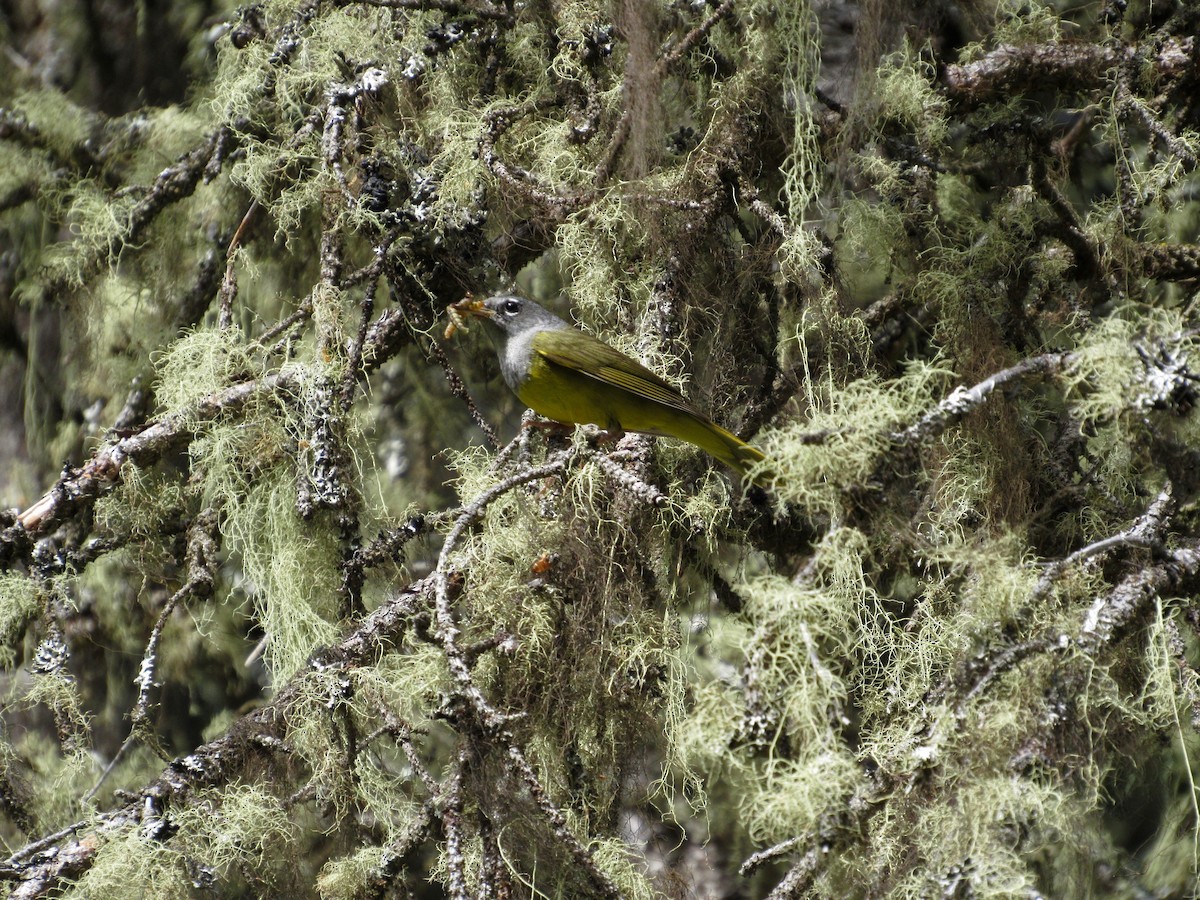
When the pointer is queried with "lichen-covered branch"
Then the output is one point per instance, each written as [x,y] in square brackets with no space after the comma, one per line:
[394,638]
[1061,66]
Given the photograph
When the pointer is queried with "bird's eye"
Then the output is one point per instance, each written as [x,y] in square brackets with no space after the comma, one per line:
[512,307]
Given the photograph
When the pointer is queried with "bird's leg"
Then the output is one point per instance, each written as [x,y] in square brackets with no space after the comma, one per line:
[610,434]
[556,433]
[550,426]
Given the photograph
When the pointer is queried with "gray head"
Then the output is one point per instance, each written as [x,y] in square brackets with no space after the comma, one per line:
[513,314]
[516,321]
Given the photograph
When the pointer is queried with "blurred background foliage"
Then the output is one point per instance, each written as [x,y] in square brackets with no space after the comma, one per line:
[292,603]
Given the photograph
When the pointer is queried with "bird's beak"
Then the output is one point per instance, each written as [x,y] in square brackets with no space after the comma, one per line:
[469,306]
[458,313]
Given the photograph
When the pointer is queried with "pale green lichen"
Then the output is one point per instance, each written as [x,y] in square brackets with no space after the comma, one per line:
[799,47]
[58,691]
[797,634]
[857,420]
[614,642]
[20,602]
[18,172]
[221,830]
[1107,373]
[865,228]
[199,364]
[615,858]
[700,742]
[290,564]
[792,795]
[590,243]
[53,779]
[905,93]
[1016,23]
[140,504]
[63,125]
[974,845]
[351,877]
[97,223]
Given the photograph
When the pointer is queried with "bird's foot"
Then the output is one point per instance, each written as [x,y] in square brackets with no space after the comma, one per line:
[606,436]
[532,420]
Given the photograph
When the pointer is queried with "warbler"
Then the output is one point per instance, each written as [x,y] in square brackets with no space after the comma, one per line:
[566,375]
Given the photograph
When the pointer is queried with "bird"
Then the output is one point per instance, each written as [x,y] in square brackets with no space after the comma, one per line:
[569,376]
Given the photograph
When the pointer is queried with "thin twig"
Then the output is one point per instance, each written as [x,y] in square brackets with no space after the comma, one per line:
[1147,531]
[963,400]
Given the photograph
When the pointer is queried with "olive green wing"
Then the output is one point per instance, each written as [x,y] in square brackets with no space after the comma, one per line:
[592,357]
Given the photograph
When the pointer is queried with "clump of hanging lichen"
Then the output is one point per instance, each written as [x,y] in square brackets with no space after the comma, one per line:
[876,661]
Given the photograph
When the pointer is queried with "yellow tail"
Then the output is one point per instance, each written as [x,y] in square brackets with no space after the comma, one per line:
[723,445]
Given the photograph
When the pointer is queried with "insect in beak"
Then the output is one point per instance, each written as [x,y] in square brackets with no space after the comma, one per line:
[460,311]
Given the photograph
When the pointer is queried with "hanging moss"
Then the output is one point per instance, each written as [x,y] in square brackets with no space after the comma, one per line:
[938,265]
